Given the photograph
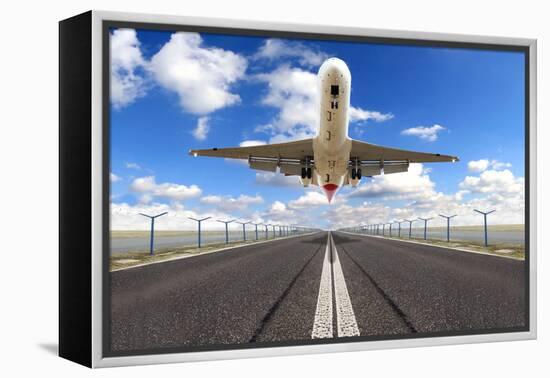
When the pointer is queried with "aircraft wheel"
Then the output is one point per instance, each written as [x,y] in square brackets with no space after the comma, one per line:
[309,173]
[304,173]
[353,174]
[359,173]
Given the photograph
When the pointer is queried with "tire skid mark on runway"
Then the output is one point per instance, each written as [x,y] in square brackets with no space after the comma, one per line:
[276,304]
[322,323]
[384,295]
[347,324]
[332,288]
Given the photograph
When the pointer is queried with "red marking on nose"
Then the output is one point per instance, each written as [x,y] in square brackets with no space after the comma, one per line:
[330,191]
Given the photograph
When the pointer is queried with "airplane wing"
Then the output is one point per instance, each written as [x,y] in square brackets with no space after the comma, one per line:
[372,152]
[290,150]
[267,157]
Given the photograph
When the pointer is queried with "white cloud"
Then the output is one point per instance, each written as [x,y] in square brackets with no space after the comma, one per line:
[143,184]
[405,185]
[135,166]
[358,114]
[294,93]
[498,165]
[483,164]
[277,179]
[201,131]
[424,132]
[279,213]
[348,215]
[310,199]
[126,217]
[127,84]
[114,178]
[148,188]
[478,165]
[273,49]
[493,181]
[200,75]
[228,203]
[413,194]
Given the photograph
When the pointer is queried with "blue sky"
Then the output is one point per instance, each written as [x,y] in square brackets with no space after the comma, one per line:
[173,92]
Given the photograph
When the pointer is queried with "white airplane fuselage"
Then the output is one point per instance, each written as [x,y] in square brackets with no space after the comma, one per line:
[332,146]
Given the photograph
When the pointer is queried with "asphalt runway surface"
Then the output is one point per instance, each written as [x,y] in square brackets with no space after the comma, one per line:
[313,287]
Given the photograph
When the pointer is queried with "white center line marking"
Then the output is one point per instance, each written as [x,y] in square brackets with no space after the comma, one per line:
[345,317]
[322,325]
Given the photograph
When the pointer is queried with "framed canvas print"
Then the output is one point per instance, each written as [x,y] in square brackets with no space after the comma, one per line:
[233,189]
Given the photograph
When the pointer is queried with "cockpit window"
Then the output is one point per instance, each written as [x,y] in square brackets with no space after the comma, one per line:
[334,89]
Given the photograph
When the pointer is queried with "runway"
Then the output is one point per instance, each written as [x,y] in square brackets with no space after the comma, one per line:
[326,285]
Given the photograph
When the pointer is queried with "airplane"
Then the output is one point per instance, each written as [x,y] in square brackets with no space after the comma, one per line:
[332,159]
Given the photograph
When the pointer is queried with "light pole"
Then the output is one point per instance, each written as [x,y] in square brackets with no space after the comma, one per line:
[244,228]
[485,222]
[152,217]
[410,226]
[425,225]
[256,225]
[199,221]
[448,217]
[399,229]
[226,230]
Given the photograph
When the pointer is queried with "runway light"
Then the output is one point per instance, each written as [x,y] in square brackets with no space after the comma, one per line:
[485,213]
[199,221]
[152,217]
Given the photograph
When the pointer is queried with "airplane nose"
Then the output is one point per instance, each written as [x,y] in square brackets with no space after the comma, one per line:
[334,67]
[330,191]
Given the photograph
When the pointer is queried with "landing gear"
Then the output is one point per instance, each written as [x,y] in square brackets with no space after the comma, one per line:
[306,172]
[306,169]
[355,172]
